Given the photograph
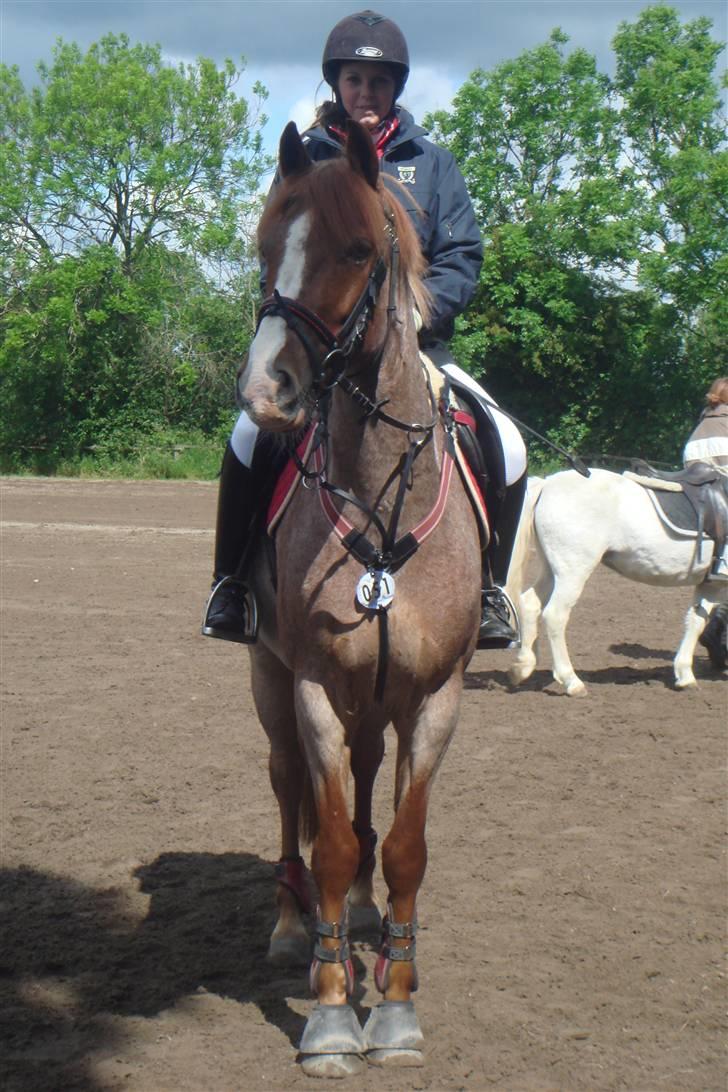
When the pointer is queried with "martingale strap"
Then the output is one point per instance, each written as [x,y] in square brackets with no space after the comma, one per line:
[361,547]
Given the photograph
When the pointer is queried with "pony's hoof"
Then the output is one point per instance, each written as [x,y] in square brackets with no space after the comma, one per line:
[518,675]
[686,684]
[335,1066]
[393,1035]
[576,689]
[330,1031]
[289,951]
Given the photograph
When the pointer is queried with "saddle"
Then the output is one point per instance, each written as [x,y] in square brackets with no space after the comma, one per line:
[703,485]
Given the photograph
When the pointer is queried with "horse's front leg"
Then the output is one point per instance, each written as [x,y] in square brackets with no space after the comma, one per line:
[272,685]
[366,758]
[332,1044]
[392,1030]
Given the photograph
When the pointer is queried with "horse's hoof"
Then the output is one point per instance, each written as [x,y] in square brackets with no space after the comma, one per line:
[393,1035]
[332,1065]
[332,1030]
[291,951]
[687,684]
[576,689]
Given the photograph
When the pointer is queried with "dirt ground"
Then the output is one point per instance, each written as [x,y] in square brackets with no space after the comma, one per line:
[573,913]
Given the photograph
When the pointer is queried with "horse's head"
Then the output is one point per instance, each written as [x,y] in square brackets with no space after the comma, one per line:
[326,241]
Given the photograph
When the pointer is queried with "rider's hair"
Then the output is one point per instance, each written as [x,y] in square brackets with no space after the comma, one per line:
[718,392]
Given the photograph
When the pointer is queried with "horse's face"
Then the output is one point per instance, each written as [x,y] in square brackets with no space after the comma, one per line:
[318,247]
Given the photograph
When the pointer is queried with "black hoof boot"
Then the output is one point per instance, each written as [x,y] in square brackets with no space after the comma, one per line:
[231,613]
[498,622]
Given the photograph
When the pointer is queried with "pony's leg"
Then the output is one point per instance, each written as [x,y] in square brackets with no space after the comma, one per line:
[366,758]
[392,1030]
[272,685]
[524,664]
[568,586]
[530,607]
[695,622]
[332,1041]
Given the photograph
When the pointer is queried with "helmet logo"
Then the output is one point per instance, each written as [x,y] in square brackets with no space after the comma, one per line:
[368,51]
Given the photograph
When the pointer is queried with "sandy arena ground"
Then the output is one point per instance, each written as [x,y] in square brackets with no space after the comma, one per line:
[573,913]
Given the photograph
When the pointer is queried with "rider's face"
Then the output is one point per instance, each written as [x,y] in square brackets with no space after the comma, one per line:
[367,91]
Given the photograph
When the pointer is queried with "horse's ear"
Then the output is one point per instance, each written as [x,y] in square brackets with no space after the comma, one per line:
[292,155]
[360,152]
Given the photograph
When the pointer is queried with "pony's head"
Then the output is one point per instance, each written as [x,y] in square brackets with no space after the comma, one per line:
[326,241]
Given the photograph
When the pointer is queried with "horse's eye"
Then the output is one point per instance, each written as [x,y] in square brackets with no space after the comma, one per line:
[359,251]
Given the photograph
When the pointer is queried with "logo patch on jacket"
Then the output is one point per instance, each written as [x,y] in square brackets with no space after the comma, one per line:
[406,175]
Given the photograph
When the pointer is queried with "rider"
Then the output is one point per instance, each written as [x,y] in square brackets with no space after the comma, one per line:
[366,64]
[708,443]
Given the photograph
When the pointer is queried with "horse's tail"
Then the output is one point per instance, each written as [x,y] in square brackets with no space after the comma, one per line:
[524,540]
[308,815]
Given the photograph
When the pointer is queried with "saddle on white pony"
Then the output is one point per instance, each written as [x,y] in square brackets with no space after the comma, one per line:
[693,502]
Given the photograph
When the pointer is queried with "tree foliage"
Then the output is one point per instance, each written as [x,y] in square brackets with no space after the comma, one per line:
[129,189]
[601,310]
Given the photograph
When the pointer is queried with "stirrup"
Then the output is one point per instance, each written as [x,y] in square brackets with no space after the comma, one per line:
[512,622]
[247,632]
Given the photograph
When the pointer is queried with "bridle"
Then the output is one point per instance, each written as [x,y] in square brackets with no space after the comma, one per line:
[328,370]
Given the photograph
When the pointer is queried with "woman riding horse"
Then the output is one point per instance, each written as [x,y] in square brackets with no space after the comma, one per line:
[366,63]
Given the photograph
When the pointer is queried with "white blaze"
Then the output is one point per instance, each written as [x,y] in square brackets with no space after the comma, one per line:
[271,336]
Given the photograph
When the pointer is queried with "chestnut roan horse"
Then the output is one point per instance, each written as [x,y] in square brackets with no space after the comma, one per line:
[372,614]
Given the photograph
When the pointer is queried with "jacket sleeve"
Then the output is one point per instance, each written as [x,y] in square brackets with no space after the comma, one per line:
[454,251]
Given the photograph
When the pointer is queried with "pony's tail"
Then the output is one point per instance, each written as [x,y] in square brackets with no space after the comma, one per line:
[524,541]
[308,816]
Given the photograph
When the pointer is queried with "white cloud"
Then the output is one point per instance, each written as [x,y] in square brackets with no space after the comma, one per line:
[428,89]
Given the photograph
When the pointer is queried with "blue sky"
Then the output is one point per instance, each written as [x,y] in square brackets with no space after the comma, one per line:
[282,40]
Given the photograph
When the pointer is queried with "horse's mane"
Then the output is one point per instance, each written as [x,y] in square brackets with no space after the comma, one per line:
[349,208]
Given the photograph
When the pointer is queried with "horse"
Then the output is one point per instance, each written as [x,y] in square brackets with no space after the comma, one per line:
[576,522]
[369,615]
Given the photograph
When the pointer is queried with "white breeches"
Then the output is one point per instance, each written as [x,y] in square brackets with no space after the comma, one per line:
[243,438]
[514,449]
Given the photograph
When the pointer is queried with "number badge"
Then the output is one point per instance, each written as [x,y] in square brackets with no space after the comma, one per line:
[375,590]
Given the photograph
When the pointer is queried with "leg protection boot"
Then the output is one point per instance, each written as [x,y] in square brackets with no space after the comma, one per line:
[231,613]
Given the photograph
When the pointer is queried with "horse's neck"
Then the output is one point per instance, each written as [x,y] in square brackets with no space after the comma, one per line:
[363,453]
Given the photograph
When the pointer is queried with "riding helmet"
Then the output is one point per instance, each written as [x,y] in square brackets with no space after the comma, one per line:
[366,36]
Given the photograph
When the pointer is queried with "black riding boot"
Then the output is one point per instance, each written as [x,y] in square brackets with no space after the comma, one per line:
[499,620]
[231,612]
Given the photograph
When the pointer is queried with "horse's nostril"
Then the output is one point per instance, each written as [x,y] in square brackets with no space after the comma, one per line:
[285,381]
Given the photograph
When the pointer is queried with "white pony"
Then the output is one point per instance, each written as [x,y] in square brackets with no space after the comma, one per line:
[575,522]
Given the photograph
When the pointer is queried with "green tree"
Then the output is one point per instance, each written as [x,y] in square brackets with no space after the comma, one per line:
[117,147]
[674,138]
[603,210]
[128,191]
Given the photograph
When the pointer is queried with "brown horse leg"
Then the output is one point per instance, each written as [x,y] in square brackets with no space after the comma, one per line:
[272,685]
[392,1031]
[366,758]
[332,1041]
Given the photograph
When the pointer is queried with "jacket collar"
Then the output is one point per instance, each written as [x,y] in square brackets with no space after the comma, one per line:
[408,130]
